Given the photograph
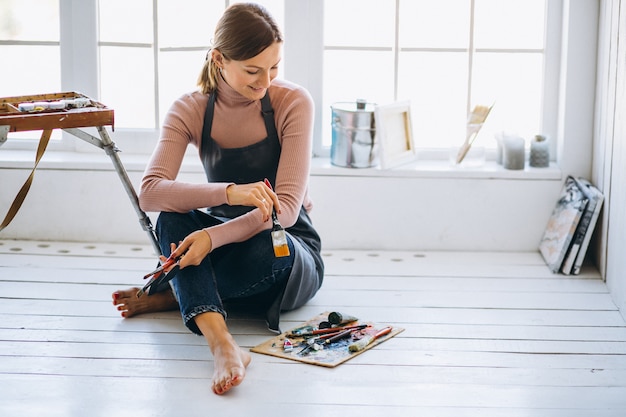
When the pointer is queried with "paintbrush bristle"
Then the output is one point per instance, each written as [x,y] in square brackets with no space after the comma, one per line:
[479,114]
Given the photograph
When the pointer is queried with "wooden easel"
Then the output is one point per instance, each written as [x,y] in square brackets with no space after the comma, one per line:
[90,113]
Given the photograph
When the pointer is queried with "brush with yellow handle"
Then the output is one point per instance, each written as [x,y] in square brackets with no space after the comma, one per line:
[475,121]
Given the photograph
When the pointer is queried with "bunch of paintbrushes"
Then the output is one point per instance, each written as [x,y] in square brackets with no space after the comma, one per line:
[475,122]
[337,328]
[318,339]
[161,275]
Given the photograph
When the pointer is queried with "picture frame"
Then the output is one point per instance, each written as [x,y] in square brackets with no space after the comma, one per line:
[394,134]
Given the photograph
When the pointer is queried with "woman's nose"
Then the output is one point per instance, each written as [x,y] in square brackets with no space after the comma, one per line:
[265,79]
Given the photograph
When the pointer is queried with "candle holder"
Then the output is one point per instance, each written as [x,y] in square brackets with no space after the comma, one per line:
[513,152]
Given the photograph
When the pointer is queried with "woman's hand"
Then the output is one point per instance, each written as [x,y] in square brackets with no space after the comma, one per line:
[195,247]
[256,194]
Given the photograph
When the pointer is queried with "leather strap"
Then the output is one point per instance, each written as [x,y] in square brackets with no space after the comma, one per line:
[21,195]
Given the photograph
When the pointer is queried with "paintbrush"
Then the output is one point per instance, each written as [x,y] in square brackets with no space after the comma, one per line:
[475,121]
[279,237]
[328,331]
[365,341]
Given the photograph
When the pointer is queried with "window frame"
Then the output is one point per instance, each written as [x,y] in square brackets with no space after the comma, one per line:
[303,53]
[306,17]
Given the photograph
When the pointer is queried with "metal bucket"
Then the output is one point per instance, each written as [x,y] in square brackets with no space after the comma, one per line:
[354,134]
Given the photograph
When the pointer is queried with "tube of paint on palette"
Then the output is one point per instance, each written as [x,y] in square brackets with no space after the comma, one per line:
[339,319]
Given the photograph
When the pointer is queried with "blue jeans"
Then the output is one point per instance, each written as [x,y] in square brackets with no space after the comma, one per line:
[237,271]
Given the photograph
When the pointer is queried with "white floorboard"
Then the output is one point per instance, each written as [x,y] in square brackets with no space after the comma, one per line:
[486,334]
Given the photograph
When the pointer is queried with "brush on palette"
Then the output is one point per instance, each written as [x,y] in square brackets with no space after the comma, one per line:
[475,121]
[361,344]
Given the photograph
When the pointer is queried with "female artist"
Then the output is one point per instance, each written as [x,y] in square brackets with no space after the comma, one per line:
[247,126]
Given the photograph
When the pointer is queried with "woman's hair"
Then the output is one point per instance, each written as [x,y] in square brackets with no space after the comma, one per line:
[243,32]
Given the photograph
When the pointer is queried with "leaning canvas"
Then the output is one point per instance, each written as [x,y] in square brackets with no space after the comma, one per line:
[562,225]
[594,195]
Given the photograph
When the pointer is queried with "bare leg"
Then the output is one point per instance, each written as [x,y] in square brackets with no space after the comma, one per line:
[129,305]
[230,360]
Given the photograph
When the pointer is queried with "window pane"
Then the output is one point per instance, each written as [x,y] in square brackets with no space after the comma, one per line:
[127,85]
[30,69]
[436,85]
[359,23]
[191,25]
[363,80]
[29,20]
[29,79]
[178,73]
[434,24]
[39,70]
[510,24]
[514,83]
[126,21]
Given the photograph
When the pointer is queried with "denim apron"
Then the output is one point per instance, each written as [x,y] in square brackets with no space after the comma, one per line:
[252,164]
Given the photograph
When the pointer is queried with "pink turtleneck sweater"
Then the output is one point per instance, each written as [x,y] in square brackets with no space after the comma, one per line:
[237,122]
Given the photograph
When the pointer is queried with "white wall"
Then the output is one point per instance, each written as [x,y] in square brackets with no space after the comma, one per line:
[610,148]
[411,212]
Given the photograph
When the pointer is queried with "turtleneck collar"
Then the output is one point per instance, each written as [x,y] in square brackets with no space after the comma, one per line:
[230,96]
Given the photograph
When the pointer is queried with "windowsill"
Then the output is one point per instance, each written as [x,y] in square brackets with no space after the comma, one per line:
[90,161]
[437,169]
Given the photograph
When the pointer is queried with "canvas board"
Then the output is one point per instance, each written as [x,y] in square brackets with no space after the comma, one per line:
[562,224]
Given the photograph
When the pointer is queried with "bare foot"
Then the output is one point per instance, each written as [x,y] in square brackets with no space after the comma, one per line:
[229,360]
[230,363]
[128,303]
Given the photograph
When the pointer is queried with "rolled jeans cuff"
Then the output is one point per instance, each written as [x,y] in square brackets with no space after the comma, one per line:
[189,318]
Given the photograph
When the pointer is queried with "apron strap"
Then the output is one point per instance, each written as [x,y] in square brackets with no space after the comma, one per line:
[268,116]
[208,123]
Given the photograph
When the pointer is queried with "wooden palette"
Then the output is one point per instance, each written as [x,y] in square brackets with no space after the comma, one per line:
[330,355]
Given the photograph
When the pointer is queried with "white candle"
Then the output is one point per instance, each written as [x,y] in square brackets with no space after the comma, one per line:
[539,152]
[513,153]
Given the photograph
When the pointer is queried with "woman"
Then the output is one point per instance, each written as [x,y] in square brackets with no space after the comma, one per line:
[247,126]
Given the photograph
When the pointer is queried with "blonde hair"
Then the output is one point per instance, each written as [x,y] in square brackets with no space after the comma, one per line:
[243,32]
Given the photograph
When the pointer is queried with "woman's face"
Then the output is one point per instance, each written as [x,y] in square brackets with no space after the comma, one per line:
[252,77]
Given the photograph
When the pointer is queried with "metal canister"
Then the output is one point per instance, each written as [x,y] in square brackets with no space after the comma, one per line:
[354,135]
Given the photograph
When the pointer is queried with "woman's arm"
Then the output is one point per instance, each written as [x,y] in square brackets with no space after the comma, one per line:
[160,189]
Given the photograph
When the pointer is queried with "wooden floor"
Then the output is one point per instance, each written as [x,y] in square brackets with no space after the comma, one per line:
[487,334]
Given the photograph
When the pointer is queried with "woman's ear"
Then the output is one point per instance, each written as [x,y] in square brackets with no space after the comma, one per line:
[217,58]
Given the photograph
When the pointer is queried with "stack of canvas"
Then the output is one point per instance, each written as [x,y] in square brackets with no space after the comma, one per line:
[566,238]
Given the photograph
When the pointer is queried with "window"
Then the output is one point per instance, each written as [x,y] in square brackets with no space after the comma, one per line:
[155,59]
[159,55]
[29,47]
[443,56]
